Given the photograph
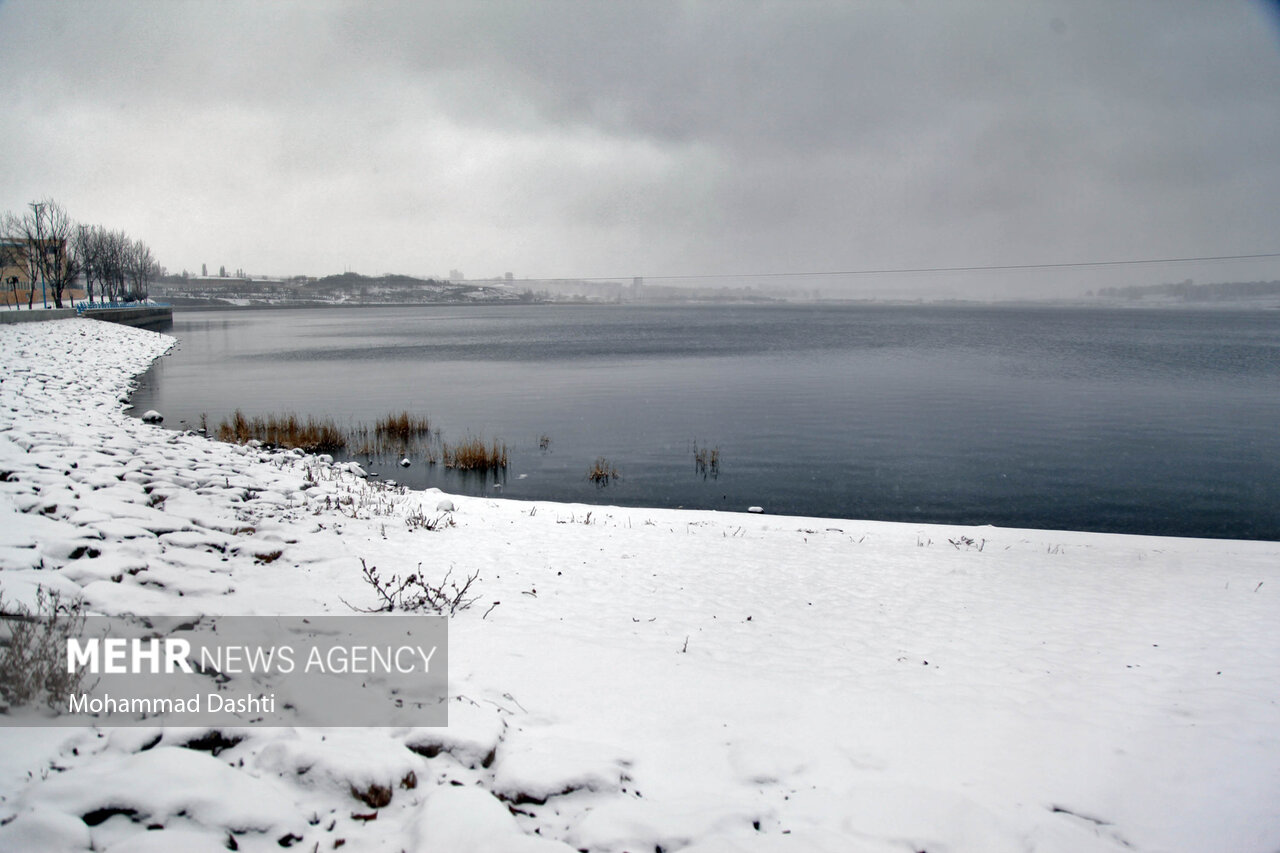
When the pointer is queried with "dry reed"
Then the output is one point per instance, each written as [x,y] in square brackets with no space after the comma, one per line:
[602,471]
[472,454]
[706,461]
[311,435]
[403,427]
[394,435]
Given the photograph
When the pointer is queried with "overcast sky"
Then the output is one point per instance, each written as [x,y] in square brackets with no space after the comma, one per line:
[645,138]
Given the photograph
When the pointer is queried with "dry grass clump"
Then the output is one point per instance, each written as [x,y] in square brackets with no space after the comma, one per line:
[472,454]
[311,435]
[394,435]
[602,471]
[402,427]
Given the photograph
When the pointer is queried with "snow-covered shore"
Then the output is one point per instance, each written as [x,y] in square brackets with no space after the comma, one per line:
[651,679]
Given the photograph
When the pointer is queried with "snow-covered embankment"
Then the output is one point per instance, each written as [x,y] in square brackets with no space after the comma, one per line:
[650,679]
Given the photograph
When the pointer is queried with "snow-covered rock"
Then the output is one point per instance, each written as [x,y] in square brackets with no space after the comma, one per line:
[49,830]
[165,783]
[468,820]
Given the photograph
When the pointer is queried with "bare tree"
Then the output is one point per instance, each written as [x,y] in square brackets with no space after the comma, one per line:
[25,233]
[40,242]
[103,256]
[114,255]
[58,264]
[85,247]
[47,245]
[140,266]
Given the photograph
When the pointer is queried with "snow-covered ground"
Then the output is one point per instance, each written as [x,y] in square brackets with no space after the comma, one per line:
[651,680]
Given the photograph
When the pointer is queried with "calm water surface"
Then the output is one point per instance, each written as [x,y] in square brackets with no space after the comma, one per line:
[1157,422]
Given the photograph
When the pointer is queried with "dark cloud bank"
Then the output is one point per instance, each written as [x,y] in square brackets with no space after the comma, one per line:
[583,139]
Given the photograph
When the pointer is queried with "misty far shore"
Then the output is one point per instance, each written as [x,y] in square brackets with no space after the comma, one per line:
[352,289]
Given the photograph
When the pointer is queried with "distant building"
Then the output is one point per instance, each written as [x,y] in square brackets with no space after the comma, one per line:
[15,273]
[456,275]
[13,256]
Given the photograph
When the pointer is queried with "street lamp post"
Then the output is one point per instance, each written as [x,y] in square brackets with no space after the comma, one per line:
[37,207]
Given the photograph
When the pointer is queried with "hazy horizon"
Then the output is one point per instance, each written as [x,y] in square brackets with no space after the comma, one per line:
[575,140]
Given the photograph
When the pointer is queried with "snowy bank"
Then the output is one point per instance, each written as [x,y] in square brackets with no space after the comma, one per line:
[634,679]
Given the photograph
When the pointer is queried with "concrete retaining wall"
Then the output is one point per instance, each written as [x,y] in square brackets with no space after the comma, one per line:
[36,315]
[148,316]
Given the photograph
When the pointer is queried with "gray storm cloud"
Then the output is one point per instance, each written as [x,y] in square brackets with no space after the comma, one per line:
[567,139]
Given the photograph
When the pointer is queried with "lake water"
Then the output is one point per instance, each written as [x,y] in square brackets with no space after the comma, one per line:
[1161,422]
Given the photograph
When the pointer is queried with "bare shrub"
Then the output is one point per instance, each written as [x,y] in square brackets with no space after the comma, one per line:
[419,520]
[415,594]
[33,657]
